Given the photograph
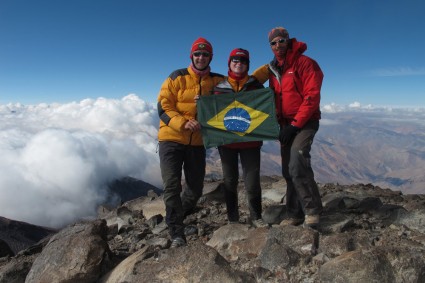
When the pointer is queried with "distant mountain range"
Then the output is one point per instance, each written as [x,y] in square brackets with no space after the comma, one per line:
[386,149]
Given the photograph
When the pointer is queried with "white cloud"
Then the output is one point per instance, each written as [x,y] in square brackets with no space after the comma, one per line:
[330,113]
[331,108]
[398,71]
[328,122]
[58,159]
[355,105]
[358,107]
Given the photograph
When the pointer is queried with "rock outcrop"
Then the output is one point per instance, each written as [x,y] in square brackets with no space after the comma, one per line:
[366,234]
[20,235]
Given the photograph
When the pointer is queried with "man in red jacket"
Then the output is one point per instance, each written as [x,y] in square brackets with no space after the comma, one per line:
[296,81]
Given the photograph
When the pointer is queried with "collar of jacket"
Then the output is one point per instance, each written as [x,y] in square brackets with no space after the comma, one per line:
[236,77]
[232,84]
[238,85]
[297,48]
[199,73]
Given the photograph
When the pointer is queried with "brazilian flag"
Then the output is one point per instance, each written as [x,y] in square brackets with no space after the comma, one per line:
[238,117]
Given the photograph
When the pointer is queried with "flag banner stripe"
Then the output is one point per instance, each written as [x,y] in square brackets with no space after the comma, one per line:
[238,117]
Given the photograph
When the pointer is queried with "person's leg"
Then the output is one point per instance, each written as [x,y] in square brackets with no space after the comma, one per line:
[301,172]
[250,160]
[194,172]
[229,163]
[171,160]
[293,206]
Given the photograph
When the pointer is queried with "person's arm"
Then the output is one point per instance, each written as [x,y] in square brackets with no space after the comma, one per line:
[311,77]
[262,73]
[167,110]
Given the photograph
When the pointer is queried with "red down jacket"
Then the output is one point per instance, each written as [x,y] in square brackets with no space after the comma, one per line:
[297,86]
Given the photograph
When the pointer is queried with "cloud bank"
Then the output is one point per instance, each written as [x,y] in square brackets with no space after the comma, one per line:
[56,160]
[398,71]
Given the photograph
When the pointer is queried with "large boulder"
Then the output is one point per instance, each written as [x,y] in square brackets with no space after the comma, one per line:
[75,254]
[192,263]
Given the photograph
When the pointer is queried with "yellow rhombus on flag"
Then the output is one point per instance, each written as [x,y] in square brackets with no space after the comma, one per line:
[256,118]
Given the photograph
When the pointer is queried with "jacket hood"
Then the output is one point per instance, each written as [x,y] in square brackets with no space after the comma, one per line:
[296,49]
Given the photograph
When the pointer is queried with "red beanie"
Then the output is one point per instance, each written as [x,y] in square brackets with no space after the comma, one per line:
[201,44]
[239,53]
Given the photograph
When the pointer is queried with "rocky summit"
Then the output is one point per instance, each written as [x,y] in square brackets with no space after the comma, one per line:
[366,234]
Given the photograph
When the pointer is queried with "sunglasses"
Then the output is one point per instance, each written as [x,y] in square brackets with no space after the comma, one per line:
[239,61]
[282,40]
[199,53]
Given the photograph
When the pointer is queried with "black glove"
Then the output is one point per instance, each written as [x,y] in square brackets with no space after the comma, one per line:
[287,133]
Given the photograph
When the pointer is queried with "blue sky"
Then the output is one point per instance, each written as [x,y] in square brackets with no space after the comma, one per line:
[62,51]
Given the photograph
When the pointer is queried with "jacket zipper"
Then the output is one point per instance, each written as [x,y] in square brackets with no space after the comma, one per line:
[279,104]
[196,115]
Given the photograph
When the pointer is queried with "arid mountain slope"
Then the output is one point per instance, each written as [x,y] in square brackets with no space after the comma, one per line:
[383,150]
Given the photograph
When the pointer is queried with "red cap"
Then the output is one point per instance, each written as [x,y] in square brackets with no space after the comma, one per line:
[201,44]
[240,54]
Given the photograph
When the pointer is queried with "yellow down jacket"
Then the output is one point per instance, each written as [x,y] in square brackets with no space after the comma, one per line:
[176,104]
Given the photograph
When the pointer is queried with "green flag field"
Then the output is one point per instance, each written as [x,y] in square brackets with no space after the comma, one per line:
[238,117]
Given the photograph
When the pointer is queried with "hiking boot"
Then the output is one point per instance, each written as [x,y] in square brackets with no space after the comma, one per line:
[177,242]
[311,221]
[292,222]
[258,223]
[190,230]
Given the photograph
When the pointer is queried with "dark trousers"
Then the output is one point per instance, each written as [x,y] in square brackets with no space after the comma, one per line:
[173,157]
[250,161]
[302,194]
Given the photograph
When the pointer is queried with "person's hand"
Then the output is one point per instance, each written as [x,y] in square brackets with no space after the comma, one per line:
[287,133]
[192,125]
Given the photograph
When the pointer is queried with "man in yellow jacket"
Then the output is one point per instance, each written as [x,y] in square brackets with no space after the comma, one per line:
[180,139]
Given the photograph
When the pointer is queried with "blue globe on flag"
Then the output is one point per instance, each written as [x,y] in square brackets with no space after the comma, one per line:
[237,120]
